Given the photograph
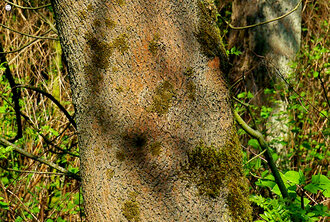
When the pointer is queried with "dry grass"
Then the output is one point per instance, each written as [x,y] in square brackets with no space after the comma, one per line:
[315,37]
[38,65]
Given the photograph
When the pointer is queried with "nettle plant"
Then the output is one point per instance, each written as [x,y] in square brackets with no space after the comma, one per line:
[307,188]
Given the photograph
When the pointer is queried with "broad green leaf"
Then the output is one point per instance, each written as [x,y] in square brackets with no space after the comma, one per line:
[311,188]
[292,177]
[266,183]
[254,143]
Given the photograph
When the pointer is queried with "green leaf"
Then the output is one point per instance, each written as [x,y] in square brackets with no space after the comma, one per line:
[250,95]
[315,74]
[266,183]
[325,185]
[276,190]
[292,177]
[254,143]
[4,205]
[311,188]
[324,113]
[302,178]
[241,95]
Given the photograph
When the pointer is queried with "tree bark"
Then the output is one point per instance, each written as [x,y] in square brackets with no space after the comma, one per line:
[156,134]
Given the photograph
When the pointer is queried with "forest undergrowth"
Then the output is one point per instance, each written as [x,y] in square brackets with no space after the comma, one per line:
[32,191]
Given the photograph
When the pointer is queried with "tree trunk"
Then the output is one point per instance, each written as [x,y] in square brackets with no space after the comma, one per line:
[267,52]
[156,134]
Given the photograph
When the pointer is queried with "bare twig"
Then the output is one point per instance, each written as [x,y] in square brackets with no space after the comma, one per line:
[24,46]
[30,171]
[28,35]
[16,94]
[52,98]
[263,23]
[30,8]
[27,209]
[39,159]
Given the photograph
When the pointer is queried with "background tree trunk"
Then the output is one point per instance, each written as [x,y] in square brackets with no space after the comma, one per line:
[156,133]
[267,52]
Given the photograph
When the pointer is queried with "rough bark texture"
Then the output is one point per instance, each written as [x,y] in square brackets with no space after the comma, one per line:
[155,129]
[267,50]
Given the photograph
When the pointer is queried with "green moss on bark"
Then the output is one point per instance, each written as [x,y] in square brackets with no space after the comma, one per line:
[208,34]
[217,170]
[155,148]
[189,72]
[162,98]
[120,43]
[191,88]
[110,173]
[103,50]
[154,44]
[131,210]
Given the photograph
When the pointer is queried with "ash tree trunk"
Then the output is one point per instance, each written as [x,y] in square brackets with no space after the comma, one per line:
[268,51]
[156,132]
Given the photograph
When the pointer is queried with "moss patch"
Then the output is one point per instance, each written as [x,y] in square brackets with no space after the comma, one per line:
[120,2]
[109,23]
[119,89]
[90,7]
[191,88]
[101,51]
[131,209]
[110,173]
[209,167]
[120,43]
[120,155]
[209,34]
[162,99]
[154,44]
[97,151]
[214,169]
[155,148]
[237,199]
[189,72]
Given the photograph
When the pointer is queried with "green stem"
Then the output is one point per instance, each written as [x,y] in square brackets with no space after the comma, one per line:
[39,159]
[265,148]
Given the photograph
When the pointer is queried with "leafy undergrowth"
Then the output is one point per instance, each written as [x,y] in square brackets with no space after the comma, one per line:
[30,191]
[304,161]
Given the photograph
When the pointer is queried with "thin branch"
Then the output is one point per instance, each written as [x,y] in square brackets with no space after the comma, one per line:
[30,171]
[278,72]
[52,26]
[52,98]
[28,35]
[39,159]
[24,46]
[262,23]
[16,94]
[324,90]
[30,8]
[255,157]
[26,208]
[264,146]
[50,142]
